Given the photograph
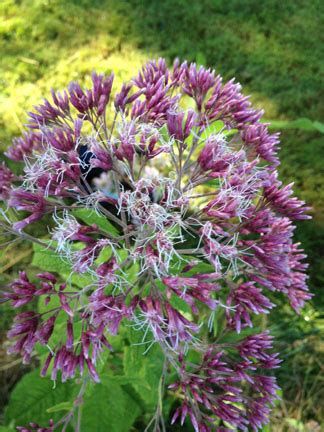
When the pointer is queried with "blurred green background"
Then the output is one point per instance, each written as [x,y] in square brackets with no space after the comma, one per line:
[275,48]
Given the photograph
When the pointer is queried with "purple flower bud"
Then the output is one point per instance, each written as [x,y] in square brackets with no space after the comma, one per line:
[46,364]
[78,123]
[101,158]
[80,100]
[121,98]
[281,201]
[245,299]
[265,145]
[255,346]
[45,331]
[24,146]
[65,304]
[44,114]
[21,290]
[34,203]
[61,139]
[69,337]
[216,156]
[177,127]
[27,326]
[47,277]
[178,327]
[126,149]
[151,73]
[197,82]
[101,91]
[92,371]
[35,427]
[6,181]
[61,100]
[192,289]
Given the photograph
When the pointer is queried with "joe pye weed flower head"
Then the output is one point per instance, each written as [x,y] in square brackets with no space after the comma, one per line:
[165,199]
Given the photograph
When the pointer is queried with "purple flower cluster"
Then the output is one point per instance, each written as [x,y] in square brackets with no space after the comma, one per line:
[36,427]
[31,327]
[233,387]
[184,171]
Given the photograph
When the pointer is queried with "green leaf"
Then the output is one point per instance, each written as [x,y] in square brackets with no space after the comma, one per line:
[62,406]
[123,379]
[201,267]
[213,128]
[164,133]
[319,126]
[108,408]
[59,331]
[33,396]
[214,183]
[147,367]
[301,123]
[91,217]
[234,337]
[179,304]
[296,424]
[201,59]
[49,260]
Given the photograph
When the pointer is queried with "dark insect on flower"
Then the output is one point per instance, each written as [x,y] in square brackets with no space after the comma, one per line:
[90,168]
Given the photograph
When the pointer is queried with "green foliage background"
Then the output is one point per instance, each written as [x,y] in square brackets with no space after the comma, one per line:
[273,47]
